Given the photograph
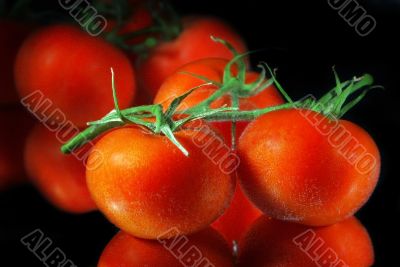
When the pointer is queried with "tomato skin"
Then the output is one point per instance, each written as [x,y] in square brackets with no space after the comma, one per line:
[290,170]
[270,242]
[17,123]
[192,44]
[12,34]
[126,250]
[60,178]
[146,185]
[72,69]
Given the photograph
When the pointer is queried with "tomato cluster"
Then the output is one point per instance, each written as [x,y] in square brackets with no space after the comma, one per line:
[219,167]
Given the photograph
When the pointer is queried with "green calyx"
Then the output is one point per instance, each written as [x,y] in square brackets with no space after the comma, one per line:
[166,122]
[339,100]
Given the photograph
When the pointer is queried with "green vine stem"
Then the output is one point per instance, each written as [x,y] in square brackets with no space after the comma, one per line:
[136,116]
[335,103]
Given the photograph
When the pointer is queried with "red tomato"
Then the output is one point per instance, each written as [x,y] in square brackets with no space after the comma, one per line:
[294,170]
[16,123]
[11,37]
[241,212]
[271,243]
[192,44]
[205,248]
[60,178]
[146,185]
[72,69]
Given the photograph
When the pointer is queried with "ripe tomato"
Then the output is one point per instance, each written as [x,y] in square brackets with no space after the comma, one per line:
[72,69]
[12,34]
[272,242]
[298,165]
[60,178]
[241,211]
[192,44]
[16,123]
[205,248]
[146,185]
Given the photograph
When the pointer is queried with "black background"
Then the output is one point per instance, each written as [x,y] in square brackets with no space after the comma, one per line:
[304,39]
